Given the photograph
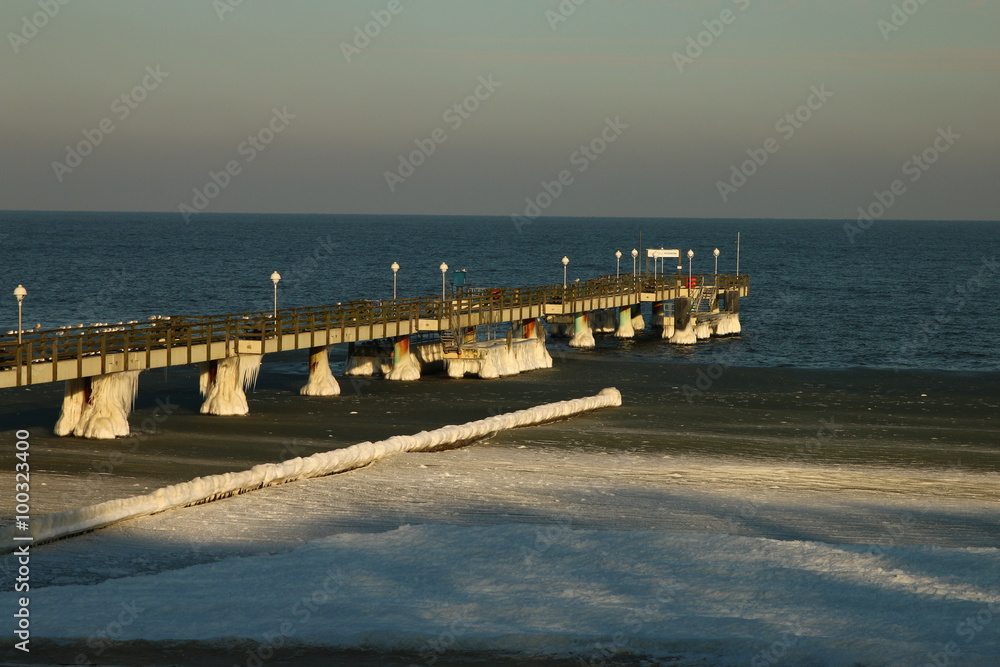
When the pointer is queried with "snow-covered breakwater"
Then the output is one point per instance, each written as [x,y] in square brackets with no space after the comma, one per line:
[214,487]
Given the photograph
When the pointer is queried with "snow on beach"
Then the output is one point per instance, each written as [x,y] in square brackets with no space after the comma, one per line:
[512,587]
[508,547]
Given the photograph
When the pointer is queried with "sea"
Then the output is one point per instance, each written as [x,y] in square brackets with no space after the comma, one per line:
[919,295]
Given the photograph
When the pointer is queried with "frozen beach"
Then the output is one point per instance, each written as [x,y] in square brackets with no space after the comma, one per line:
[665,531]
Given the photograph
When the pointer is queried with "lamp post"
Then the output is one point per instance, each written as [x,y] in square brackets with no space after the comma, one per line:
[618,263]
[565,263]
[395,270]
[444,268]
[19,294]
[690,261]
[635,257]
[716,253]
[275,277]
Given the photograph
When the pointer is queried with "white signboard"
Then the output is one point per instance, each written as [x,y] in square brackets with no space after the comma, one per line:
[652,252]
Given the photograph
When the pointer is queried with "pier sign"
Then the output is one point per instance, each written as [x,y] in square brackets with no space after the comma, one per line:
[654,253]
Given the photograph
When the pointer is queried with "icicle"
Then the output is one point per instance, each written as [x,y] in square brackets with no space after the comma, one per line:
[249,369]
[321,380]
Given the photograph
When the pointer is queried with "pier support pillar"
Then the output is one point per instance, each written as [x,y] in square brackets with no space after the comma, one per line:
[534,356]
[583,337]
[526,328]
[662,320]
[76,395]
[405,366]
[702,329]
[729,322]
[321,380]
[638,322]
[224,381]
[683,323]
[98,407]
[733,308]
[625,329]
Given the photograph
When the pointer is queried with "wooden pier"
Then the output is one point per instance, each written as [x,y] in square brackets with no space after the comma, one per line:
[65,354]
[100,364]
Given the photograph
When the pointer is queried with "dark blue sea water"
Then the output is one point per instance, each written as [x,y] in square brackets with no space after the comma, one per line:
[916,295]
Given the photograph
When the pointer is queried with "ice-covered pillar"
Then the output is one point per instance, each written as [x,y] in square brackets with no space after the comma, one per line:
[733,308]
[625,329]
[583,336]
[321,380]
[683,323]
[638,322]
[224,381]
[405,366]
[98,407]
[662,320]
[76,395]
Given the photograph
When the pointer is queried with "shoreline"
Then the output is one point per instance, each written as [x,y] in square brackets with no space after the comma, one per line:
[923,420]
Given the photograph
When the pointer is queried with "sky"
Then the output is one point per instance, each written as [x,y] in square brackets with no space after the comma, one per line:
[632,108]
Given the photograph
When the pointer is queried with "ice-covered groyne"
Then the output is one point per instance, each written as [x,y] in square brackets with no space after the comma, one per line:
[206,489]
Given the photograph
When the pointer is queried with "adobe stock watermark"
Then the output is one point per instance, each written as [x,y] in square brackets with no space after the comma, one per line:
[775,653]
[122,107]
[455,116]
[968,628]
[581,158]
[223,7]
[565,9]
[363,36]
[899,17]
[915,168]
[249,149]
[31,25]
[786,126]
[697,45]
[110,634]
[961,296]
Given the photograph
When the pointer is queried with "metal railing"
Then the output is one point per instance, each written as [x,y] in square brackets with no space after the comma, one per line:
[481,306]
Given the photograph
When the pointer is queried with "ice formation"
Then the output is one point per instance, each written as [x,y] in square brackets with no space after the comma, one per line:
[583,336]
[206,489]
[494,359]
[98,407]
[72,407]
[405,366]
[668,327]
[638,322]
[702,329]
[625,328]
[321,380]
[223,384]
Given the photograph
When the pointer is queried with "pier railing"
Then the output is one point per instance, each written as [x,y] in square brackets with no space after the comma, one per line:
[181,334]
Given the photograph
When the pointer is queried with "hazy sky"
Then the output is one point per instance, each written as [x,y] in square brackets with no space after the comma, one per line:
[663,120]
